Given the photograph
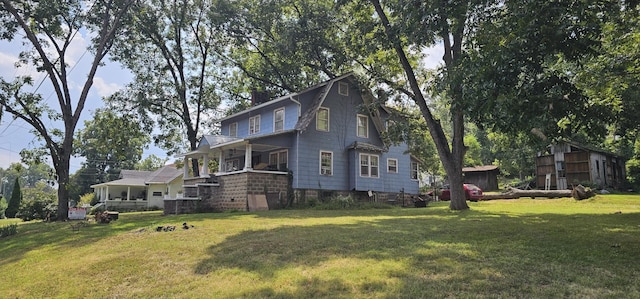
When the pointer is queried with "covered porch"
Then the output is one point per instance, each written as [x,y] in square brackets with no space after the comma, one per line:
[238,154]
[118,195]
[248,171]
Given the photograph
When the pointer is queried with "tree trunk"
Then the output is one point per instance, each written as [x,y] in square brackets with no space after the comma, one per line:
[451,157]
[62,171]
[579,193]
[193,143]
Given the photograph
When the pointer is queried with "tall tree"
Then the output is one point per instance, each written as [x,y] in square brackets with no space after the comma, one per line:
[177,72]
[50,28]
[417,24]
[14,200]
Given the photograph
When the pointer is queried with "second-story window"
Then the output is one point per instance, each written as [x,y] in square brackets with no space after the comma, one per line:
[322,119]
[363,126]
[278,120]
[233,130]
[254,125]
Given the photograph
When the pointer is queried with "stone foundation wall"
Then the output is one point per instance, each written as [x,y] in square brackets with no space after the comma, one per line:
[180,206]
[231,192]
[234,189]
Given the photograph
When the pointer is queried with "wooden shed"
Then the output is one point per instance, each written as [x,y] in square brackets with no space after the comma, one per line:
[568,164]
[485,177]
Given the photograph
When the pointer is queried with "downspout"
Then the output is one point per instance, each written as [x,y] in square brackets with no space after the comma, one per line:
[299,105]
[297,175]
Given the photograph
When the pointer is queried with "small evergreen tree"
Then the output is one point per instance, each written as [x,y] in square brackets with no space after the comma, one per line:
[14,201]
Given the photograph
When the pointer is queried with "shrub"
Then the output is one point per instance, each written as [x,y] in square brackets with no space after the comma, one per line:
[103,217]
[338,202]
[39,206]
[89,198]
[38,202]
[8,230]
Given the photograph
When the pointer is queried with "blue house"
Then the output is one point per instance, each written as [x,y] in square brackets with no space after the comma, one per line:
[318,142]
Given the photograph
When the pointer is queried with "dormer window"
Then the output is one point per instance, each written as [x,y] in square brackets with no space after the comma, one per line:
[233,129]
[254,125]
[278,120]
[343,88]
[322,119]
[363,126]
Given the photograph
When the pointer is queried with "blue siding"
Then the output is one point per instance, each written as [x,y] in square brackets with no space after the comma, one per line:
[266,113]
[304,147]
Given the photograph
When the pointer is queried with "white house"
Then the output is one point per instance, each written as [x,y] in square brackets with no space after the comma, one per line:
[140,190]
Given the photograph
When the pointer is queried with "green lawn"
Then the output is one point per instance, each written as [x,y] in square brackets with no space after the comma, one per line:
[518,248]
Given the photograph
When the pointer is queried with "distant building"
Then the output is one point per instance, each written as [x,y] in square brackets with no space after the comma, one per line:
[140,190]
[485,177]
[567,164]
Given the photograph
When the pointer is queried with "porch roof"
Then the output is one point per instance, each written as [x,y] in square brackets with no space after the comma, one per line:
[129,182]
[214,143]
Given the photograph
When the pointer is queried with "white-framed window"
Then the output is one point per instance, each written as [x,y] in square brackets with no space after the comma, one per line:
[363,126]
[326,163]
[254,125]
[343,88]
[278,120]
[232,165]
[322,119]
[233,129]
[369,165]
[414,170]
[392,165]
[279,159]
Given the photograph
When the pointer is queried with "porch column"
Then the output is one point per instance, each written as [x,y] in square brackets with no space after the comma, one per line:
[205,166]
[221,161]
[106,199]
[247,157]
[186,167]
[129,193]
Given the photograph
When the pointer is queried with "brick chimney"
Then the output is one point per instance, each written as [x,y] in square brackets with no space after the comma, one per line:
[258,97]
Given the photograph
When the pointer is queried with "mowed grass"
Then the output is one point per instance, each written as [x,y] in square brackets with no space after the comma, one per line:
[498,249]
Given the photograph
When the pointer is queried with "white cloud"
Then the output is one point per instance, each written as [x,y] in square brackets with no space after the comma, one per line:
[433,56]
[105,89]
[7,60]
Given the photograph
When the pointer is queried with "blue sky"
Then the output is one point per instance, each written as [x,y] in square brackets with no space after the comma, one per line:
[16,135]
